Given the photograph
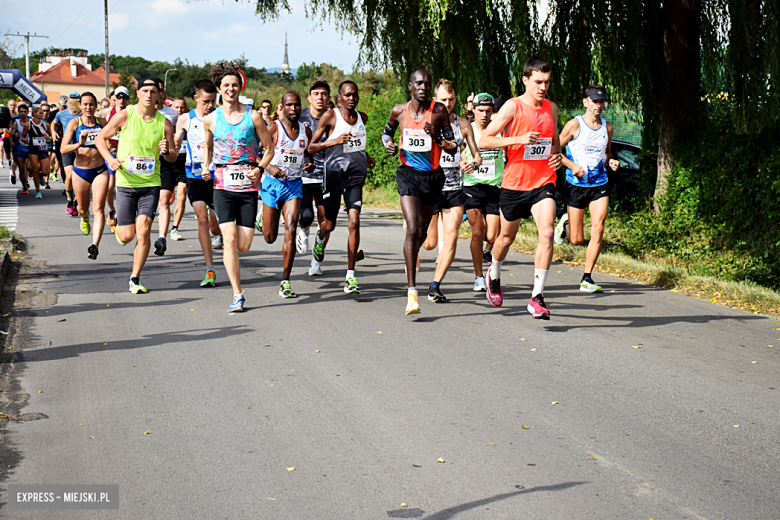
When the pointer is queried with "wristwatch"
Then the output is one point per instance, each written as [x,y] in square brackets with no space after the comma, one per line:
[262,170]
[476,166]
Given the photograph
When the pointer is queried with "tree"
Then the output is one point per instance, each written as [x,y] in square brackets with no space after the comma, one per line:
[661,58]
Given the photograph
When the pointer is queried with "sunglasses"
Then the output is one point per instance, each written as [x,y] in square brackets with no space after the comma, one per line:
[122,96]
[265,106]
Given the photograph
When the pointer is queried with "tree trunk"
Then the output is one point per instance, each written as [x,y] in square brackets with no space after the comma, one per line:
[680,82]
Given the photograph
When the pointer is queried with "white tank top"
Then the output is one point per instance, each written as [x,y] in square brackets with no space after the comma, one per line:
[195,143]
[288,153]
[589,150]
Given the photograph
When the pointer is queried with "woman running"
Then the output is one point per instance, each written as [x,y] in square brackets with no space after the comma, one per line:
[89,168]
[38,156]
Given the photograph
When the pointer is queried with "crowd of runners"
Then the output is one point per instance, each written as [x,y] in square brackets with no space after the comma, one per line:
[493,168]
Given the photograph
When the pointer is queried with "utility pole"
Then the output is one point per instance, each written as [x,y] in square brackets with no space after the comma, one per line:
[27,48]
[105,11]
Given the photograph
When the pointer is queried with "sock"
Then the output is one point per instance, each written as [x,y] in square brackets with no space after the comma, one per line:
[174,227]
[85,219]
[69,194]
[135,279]
[586,278]
[319,239]
[441,244]
[315,264]
[209,268]
[306,232]
[350,273]
[495,269]
[411,290]
[111,213]
[162,236]
[540,277]
[288,281]
[434,285]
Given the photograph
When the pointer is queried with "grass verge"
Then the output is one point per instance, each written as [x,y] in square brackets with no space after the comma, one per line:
[5,233]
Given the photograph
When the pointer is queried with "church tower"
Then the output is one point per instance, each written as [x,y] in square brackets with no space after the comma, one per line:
[286,64]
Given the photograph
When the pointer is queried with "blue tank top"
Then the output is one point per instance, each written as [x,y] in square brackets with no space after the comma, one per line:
[92,132]
[235,144]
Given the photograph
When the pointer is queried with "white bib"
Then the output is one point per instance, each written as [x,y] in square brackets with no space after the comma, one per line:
[356,143]
[235,175]
[449,161]
[416,140]
[140,165]
[91,136]
[539,151]
[40,143]
[486,170]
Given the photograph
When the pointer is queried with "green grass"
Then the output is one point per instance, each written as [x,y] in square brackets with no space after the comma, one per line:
[5,233]
[381,197]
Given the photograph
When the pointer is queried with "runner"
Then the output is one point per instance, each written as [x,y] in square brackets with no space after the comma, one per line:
[64,117]
[47,117]
[122,97]
[425,130]
[587,139]
[168,176]
[111,104]
[483,190]
[143,134]
[266,110]
[89,167]
[57,130]
[449,209]
[282,185]
[233,136]
[19,128]
[180,106]
[319,94]
[12,105]
[528,185]
[190,136]
[346,167]
[38,134]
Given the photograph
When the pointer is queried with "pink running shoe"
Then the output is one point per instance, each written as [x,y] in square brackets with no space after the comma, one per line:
[494,295]
[538,309]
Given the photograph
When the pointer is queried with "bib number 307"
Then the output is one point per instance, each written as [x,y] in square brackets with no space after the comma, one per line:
[539,151]
[140,165]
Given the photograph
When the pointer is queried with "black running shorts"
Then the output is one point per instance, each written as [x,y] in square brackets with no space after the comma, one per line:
[580,197]
[515,205]
[450,199]
[199,190]
[236,206]
[426,186]
[483,197]
[353,199]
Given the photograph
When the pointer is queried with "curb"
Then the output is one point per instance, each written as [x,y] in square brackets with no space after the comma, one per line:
[4,271]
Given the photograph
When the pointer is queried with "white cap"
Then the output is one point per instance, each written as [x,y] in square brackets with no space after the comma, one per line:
[122,90]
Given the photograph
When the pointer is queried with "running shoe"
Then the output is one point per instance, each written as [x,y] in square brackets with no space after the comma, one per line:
[259,222]
[85,227]
[25,191]
[210,280]
[361,255]
[315,271]
[216,242]
[412,306]
[301,242]
[13,176]
[318,251]
[93,252]
[175,235]
[112,220]
[494,295]
[435,295]
[590,287]
[560,229]
[136,288]
[38,195]
[47,185]
[285,291]
[160,245]
[487,257]
[238,303]
[479,284]
[538,309]
[351,286]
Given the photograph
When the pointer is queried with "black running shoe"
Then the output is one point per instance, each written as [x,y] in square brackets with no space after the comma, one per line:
[435,295]
[93,252]
[160,246]
[360,255]
[487,257]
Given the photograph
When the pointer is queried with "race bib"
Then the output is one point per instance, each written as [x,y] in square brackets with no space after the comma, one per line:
[486,170]
[91,136]
[539,151]
[291,160]
[40,143]
[416,140]
[449,161]
[183,148]
[356,143]
[197,152]
[234,175]
[140,165]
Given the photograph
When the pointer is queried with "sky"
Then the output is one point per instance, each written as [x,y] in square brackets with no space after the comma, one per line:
[197,31]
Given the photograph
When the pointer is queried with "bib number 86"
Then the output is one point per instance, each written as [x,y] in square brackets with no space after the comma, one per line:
[140,166]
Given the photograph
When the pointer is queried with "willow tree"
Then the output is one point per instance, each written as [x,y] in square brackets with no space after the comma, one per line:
[663,58]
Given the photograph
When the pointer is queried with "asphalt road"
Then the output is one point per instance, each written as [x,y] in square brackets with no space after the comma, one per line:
[361,400]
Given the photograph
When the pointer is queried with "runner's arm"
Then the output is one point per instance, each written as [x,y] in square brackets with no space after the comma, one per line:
[570,131]
[271,169]
[388,135]
[168,143]
[208,154]
[308,167]
[468,134]
[612,163]
[101,143]
[68,145]
[556,159]
[181,129]
[327,121]
[265,139]
[446,136]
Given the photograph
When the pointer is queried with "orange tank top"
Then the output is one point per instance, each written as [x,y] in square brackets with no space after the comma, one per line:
[418,149]
[526,168]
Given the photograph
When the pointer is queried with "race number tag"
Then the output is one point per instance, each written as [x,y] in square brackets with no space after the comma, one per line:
[91,136]
[292,160]
[356,143]
[197,152]
[235,175]
[416,140]
[449,161]
[486,170]
[40,143]
[539,151]
[183,148]
[140,165]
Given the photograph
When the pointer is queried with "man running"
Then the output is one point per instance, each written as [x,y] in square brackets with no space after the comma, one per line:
[319,94]
[449,209]
[66,163]
[267,111]
[143,135]
[180,106]
[346,167]
[19,129]
[588,153]
[233,138]
[191,137]
[168,178]
[282,185]
[528,186]
[38,152]
[425,131]
[483,189]
[122,96]
[12,106]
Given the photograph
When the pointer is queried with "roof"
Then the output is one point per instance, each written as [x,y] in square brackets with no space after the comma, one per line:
[60,73]
[113,75]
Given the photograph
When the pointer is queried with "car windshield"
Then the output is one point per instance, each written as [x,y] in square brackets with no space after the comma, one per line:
[628,159]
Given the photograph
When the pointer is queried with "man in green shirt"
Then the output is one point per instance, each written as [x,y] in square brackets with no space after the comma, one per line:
[144,135]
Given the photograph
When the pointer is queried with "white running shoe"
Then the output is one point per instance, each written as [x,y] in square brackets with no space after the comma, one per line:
[315,271]
[560,229]
[302,241]
[175,235]
[479,284]
[216,242]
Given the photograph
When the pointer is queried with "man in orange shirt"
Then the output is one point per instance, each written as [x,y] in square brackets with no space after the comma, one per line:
[529,124]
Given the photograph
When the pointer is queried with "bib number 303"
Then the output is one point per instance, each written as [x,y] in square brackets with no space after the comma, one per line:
[416,140]
[140,165]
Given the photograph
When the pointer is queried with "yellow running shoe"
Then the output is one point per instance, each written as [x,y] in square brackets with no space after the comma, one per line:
[412,306]
[85,227]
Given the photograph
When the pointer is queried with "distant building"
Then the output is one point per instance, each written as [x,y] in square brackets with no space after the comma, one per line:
[70,71]
[286,64]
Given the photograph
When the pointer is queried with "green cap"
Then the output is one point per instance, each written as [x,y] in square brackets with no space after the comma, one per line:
[483,99]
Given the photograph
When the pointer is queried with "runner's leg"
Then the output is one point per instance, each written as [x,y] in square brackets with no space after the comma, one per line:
[99,192]
[291,209]
[143,244]
[477,223]
[451,220]
[598,215]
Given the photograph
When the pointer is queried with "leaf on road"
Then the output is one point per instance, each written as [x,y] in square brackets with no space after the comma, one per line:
[63,319]
[266,345]
[524,426]
[510,274]
[4,333]
[40,391]
[637,346]
[91,436]
[192,310]
[490,444]
[133,365]
[559,271]
[317,351]
[754,362]
[379,332]
[770,346]
[105,344]
[291,469]
[231,313]
[269,499]
[736,426]
[533,350]
[593,457]
[555,402]
[147,432]
[108,305]
[403,504]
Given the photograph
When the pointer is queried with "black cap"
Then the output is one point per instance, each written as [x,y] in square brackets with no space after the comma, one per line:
[597,94]
[148,82]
